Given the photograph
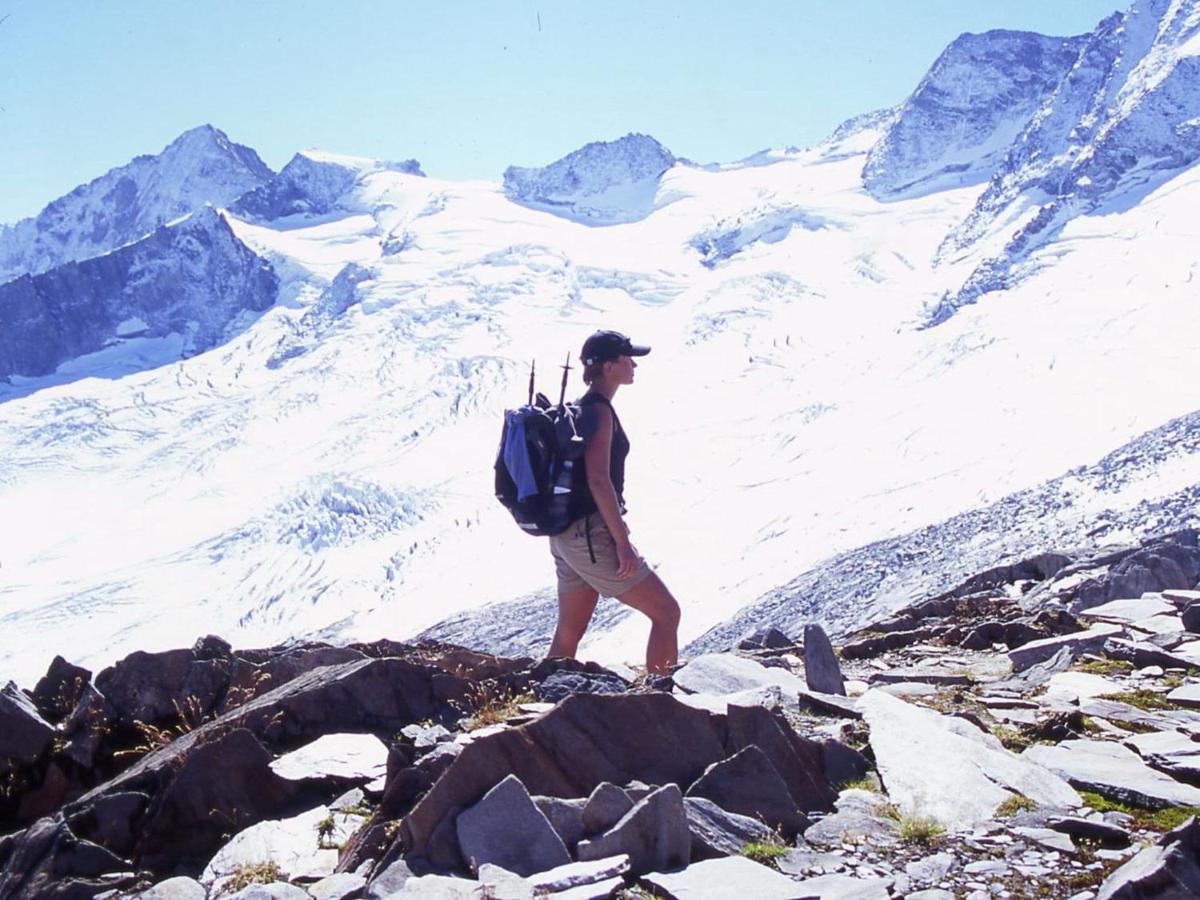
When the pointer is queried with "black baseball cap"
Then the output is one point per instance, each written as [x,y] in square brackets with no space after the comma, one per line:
[606,346]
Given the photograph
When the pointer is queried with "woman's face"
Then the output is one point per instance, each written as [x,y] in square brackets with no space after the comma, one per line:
[621,369]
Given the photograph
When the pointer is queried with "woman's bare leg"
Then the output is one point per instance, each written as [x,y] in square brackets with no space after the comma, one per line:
[650,596]
[575,610]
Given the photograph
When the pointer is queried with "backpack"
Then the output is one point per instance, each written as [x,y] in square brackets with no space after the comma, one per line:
[540,448]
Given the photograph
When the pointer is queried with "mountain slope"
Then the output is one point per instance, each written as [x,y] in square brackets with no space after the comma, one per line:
[125,204]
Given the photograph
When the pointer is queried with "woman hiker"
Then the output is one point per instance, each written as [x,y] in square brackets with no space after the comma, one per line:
[594,556]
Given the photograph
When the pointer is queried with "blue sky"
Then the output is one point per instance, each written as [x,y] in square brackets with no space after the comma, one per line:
[465,87]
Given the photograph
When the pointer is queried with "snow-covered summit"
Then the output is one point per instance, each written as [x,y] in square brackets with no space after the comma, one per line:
[602,183]
[200,166]
[957,125]
[314,183]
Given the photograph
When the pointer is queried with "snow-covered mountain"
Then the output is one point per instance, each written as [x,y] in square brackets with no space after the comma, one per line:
[125,204]
[960,121]
[602,183]
[325,468]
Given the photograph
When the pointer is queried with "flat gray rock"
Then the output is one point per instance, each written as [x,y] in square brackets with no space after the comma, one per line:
[857,816]
[1077,643]
[439,887]
[1131,610]
[654,834]
[822,672]
[601,890]
[276,890]
[1049,838]
[1186,695]
[389,881]
[930,869]
[730,878]
[919,676]
[295,845]
[576,874]
[1113,771]
[565,817]
[181,888]
[931,894]
[845,887]
[945,768]
[500,884]
[724,673]
[506,829]
[338,886]
[1167,871]
[24,734]
[350,756]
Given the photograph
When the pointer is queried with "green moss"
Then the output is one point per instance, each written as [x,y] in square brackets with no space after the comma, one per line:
[1151,819]
[1103,666]
[1141,698]
[870,783]
[1015,804]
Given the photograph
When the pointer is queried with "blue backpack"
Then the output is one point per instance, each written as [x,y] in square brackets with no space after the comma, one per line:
[540,448]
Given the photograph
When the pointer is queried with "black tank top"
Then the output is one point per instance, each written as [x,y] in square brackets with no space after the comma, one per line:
[581,495]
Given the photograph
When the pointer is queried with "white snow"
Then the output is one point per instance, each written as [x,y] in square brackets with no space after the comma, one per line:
[790,409]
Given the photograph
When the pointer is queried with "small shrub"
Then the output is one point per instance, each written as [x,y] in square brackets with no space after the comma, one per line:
[1149,819]
[1103,666]
[1013,805]
[765,852]
[494,708]
[1142,698]
[1011,738]
[922,830]
[252,873]
[325,833]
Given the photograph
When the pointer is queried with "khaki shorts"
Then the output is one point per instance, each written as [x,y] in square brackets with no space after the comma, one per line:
[573,562]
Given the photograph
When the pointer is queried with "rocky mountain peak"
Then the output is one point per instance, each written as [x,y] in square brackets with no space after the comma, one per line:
[604,182]
[959,122]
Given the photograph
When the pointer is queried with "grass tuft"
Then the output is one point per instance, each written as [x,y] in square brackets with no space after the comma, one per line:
[252,873]
[1150,819]
[765,852]
[1013,805]
[1142,698]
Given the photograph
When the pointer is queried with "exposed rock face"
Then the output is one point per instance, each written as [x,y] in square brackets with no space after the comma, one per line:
[126,204]
[313,183]
[956,127]
[602,183]
[654,834]
[506,829]
[193,279]
[749,785]
[24,734]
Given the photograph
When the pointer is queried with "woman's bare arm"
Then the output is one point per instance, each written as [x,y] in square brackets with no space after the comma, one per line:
[596,456]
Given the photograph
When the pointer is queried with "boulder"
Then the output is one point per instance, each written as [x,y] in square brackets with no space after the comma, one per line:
[439,887]
[1191,617]
[717,832]
[606,806]
[506,829]
[729,878]
[585,740]
[765,637]
[1169,869]
[24,734]
[573,875]
[749,785]
[1186,695]
[562,684]
[1096,830]
[858,815]
[842,764]
[821,670]
[947,768]
[565,817]
[844,887]
[1114,771]
[1076,643]
[654,834]
[179,888]
[47,860]
[85,728]
[798,760]
[388,881]
[303,846]
[59,690]
[155,688]
[276,890]
[249,679]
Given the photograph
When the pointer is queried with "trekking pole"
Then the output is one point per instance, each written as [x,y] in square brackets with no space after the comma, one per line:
[532,367]
[562,395]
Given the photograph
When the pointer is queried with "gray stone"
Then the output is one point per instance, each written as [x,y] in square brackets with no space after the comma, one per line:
[724,673]
[1144,653]
[821,669]
[389,881]
[1050,838]
[844,887]
[606,806]
[919,676]
[1077,643]
[565,817]
[798,760]
[578,874]
[1037,674]
[1089,829]
[1186,695]
[765,637]
[718,832]
[439,887]
[24,734]
[857,816]
[1130,610]
[1169,870]
[601,890]
[506,829]
[843,764]
[1114,771]
[1169,751]
[276,890]
[562,684]
[654,834]
[747,783]
[945,768]
[808,862]
[1191,617]
[829,704]
[931,894]
[354,757]
[179,888]
[930,869]
[339,886]
[426,737]
[498,883]
[729,878]
[294,844]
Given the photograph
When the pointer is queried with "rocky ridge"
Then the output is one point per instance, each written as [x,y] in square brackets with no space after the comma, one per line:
[965,746]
